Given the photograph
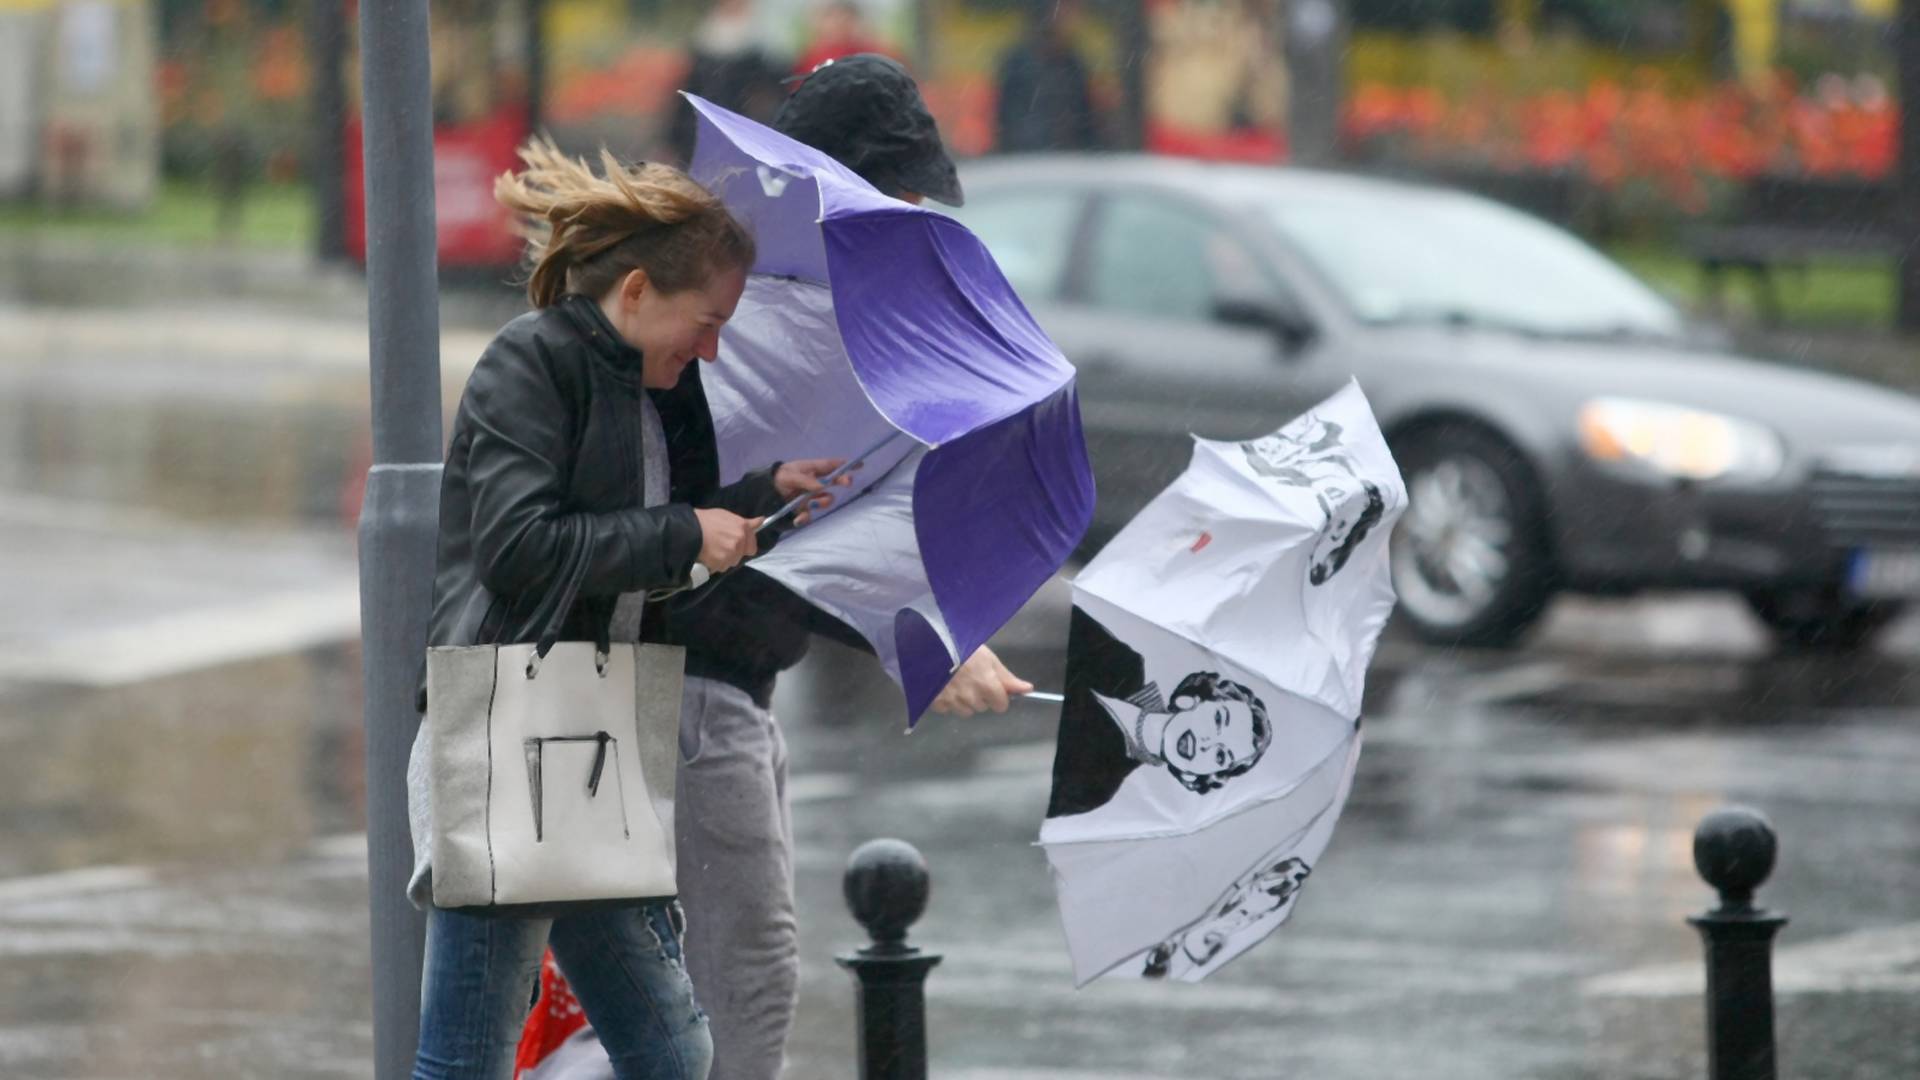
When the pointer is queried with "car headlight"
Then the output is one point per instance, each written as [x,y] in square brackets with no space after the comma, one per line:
[1678,442]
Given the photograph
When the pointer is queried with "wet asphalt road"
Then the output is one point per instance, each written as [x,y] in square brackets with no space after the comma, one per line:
[183,892]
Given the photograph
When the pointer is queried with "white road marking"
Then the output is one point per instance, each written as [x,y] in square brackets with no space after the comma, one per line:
[1026,757]
[1883,959]
[94,516]
[66,883]
[815,787]
[342,846]
[1520,681]
[191,640]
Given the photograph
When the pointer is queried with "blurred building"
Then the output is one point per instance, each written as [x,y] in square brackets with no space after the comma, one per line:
[78,121]
[1662,106]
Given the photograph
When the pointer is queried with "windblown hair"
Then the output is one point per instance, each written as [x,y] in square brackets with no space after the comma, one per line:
[586,231]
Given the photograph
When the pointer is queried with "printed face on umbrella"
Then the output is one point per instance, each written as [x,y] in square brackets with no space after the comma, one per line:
[1211,737]
[1246,903]
[1214,729]
[1351,515]
[1300,458]
[1315,458]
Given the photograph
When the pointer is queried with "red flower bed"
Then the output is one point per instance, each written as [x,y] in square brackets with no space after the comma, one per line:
[1647,132]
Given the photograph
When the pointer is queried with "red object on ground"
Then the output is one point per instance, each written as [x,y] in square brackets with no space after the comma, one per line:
[554,1020]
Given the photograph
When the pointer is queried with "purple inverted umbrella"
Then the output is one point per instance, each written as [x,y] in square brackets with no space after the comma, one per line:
[870,322]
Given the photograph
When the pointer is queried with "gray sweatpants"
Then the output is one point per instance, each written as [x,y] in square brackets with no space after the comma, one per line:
[734,829]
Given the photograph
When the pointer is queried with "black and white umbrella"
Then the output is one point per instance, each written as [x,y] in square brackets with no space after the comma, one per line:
[1215,668]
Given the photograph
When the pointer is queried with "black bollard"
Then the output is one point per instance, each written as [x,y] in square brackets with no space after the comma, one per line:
[886,888]
[1734,849]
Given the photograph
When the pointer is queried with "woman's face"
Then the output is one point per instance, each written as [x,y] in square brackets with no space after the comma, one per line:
[672,330]
[1211,737]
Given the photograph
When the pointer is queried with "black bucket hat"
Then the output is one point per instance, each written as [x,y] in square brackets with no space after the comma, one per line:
[865,112]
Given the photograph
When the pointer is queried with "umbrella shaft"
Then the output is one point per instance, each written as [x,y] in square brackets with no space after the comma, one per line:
[799,500]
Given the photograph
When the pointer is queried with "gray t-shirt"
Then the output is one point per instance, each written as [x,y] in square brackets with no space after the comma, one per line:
[653,472]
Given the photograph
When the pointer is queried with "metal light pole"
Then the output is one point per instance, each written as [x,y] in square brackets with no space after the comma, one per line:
[398,518]
[1906,39]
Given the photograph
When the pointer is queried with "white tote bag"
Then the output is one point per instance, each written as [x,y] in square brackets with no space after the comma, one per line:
[551,778]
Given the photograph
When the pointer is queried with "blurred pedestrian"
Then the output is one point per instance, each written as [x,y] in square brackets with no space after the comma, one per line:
[1045,99]
[558,458]
[730,65]
[839,29]
[732,817]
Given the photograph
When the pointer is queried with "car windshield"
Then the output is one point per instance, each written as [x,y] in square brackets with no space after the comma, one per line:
[1439,257]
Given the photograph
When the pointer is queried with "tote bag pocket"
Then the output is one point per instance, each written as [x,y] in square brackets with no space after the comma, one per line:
[560,768]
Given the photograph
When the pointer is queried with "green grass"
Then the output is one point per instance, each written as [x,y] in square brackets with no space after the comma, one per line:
[184,214]
[1853,294]
[1850,294]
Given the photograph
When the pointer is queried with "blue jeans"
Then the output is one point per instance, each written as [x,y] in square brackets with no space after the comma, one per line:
[624,965]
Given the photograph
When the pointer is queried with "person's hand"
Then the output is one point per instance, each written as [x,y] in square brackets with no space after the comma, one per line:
[796,478]
[982,683]
[725,539]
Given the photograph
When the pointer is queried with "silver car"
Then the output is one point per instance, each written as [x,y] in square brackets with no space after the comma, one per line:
[1560,425]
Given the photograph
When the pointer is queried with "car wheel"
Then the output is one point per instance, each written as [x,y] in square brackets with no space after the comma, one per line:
[1821,621]
[1470,556]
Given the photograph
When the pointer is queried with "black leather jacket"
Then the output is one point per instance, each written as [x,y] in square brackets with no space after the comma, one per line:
[543,473]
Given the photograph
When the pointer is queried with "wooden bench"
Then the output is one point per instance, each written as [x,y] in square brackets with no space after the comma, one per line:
[1782,222]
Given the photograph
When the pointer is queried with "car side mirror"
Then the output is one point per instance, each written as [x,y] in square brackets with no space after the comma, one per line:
[1263,314]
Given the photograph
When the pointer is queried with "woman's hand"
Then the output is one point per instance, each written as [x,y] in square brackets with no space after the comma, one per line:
[726,538]
[796,478]
[982,683]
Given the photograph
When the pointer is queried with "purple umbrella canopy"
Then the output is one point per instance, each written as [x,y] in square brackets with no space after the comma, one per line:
[877,329]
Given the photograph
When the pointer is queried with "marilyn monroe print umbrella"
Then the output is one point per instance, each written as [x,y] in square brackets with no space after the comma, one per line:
[1215,667]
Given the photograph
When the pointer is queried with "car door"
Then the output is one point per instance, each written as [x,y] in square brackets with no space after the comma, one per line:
[1144,318]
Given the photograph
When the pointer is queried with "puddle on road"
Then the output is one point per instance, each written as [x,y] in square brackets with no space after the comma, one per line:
[296,459]
[233,765]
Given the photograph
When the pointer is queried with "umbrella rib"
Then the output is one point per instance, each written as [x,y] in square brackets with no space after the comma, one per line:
[1209,647]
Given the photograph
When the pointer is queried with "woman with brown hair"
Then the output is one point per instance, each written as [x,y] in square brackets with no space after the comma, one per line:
[557,456]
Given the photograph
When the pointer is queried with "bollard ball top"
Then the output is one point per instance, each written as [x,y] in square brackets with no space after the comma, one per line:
[886,885]
[1734,849]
